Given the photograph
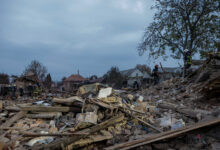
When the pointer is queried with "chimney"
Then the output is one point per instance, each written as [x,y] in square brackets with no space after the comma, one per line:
[78,71]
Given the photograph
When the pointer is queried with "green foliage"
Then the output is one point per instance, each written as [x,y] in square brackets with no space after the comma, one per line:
[113,77]
[180,25]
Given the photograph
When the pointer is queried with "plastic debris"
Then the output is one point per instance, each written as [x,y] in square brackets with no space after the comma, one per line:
[104,93]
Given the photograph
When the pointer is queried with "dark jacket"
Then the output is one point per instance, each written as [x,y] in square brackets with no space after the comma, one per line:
[155,72]
[188,58]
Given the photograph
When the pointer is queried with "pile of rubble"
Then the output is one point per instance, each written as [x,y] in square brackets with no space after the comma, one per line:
[175,114]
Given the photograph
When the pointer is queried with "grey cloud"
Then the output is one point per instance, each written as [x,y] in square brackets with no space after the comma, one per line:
[73,34]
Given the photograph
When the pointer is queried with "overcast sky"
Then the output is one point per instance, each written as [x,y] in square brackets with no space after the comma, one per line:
[67,35]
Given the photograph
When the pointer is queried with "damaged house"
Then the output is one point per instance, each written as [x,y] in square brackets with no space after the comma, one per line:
[27,79]
[73,82]
[166,73]
[138,75]
[27,82]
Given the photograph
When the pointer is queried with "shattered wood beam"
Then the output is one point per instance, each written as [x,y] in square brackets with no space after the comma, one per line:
[180,133]
[142,121]
[71,101]
[46,115]
[30,134]
[50,109]
[91,139]
[147,124]
[143,113]
[164,135]
[188,112]
[129,143]
[1,105]
[59,143]
[11,128]
[12,108]
[18,116]
[128,107]
[103,104]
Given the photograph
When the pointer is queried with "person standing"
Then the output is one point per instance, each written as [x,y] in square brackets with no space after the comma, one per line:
[156,74]
[187,61]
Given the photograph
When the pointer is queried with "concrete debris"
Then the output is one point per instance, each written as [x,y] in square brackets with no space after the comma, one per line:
[100,117]
[86,119]
[91,88]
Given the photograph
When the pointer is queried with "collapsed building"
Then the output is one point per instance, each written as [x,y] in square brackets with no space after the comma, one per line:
[176,114]
[27,81]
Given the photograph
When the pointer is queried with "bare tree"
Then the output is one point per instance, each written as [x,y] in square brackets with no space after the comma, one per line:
[37,68]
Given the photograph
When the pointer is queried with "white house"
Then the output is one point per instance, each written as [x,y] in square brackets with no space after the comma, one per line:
[135,75]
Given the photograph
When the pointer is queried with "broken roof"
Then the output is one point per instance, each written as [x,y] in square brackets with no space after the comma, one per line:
[30,76]
[128,72]
[75,77]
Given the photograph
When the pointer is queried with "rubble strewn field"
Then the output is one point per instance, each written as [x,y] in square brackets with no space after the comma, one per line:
[175,114]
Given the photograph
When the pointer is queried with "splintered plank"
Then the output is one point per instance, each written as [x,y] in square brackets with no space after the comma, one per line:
[89,140]
[59,143]
[163,136]
[18,116]
[142,121]
[44,115]
[1,105]
[30,134]
[50,109]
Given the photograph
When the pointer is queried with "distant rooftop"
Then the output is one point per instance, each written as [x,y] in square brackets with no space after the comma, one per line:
[75,77]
